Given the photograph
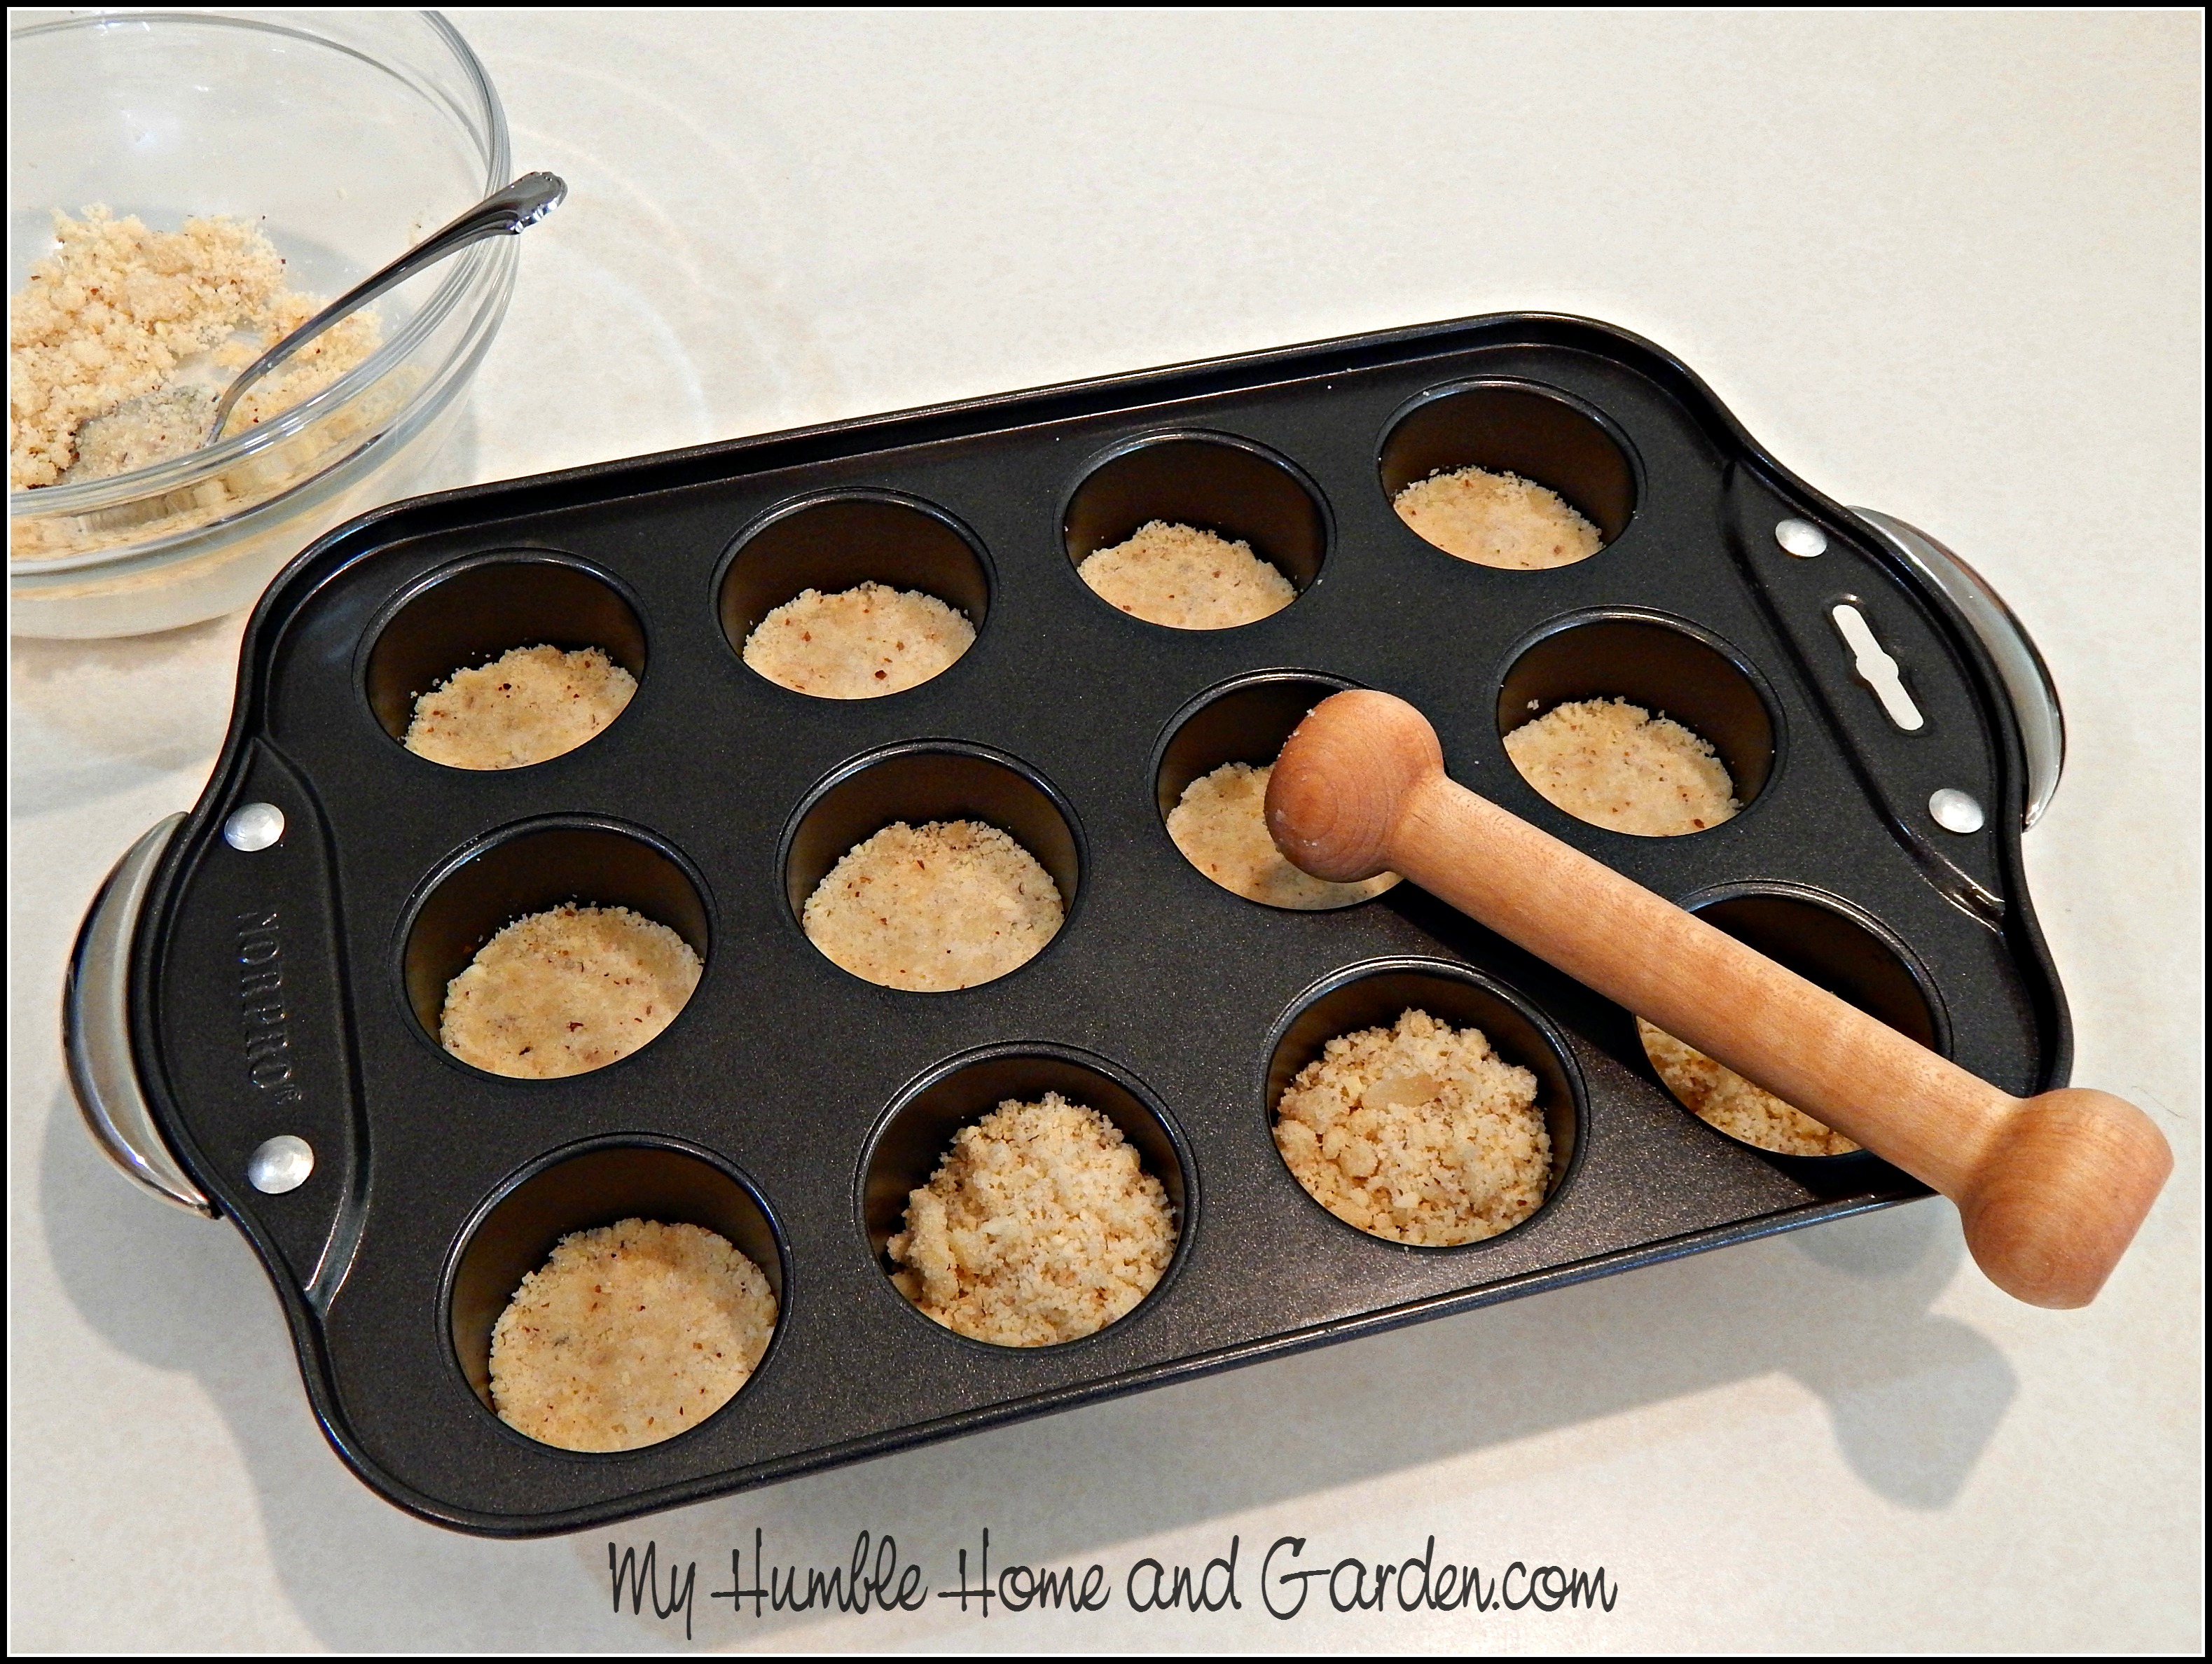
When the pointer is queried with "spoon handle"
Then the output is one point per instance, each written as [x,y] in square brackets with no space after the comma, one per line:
[2050,1188]
[507,211]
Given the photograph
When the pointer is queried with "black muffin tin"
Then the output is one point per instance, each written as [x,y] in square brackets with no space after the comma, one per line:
[792,1105]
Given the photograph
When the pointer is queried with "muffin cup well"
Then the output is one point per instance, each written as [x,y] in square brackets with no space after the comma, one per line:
[930,780]
[915,1135]
[1245,719]
[841,540]
[470,612]
[581,1187]
[1837,947]
[1519,427]
[1372,995]
[1667,665]
[529,868]
[1218,483]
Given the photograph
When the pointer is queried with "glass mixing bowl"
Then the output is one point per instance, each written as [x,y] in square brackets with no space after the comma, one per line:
[349,135]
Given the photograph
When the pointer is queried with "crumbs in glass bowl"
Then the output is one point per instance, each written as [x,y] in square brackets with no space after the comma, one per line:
[145,328]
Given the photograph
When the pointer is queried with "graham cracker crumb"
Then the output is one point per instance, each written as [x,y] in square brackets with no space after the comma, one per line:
[1616,765]
[1497,519]
[117,311]
[860,643]
[946,905]
[1418,1133]
[1722,1098]
[1180,576]
[527,705]
[1040,1225]
[627,1335]
[567,991]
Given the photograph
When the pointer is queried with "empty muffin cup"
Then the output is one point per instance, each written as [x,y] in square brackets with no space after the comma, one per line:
[1643,724]
[554,947]
[1553,481]
[1008,865]
[853,595]
[567,641]
[1832,944]
[1196,530]
[1210,778]
[588,1188]
[1481,1182]
[1045,1281]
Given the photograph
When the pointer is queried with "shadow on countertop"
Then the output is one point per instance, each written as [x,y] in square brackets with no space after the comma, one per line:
[1914,1399]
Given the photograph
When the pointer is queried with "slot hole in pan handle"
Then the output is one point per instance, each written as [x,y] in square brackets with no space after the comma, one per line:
[470,612]
[2028,680]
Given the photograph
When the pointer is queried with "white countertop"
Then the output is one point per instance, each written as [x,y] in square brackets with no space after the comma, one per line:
[1946,266]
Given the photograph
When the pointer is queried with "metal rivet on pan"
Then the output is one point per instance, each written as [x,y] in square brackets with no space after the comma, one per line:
[1955,810]
[1802,538]
[254,826]
[282,1163]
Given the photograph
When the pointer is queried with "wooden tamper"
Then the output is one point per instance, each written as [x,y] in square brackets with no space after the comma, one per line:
[2050,1188]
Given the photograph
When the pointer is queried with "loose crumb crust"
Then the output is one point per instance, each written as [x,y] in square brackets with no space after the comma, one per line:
[860,643]
[1616,765]
[117,308]
[945,905]
[1180,576]
[628,1335]
[1220,824]
[567,991]
[1725,1099]
[527,705]
[1418,1133]
[1497,519]
[1040,1225]
[141,432]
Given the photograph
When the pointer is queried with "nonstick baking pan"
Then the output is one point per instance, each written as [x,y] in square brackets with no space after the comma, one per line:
[255,995]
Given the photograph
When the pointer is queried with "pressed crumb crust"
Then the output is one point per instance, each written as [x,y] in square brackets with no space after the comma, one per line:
[1725,1099]
[1616,765]
[928,908]
[858,643]
[1188,579]
[1418,1133]
[1497,519]
[567,991]
[627,1335]
[1040,1225]
[527,705]
[114,312]
[1220,824]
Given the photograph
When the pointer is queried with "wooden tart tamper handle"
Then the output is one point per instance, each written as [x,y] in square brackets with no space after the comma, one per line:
[2050,1188]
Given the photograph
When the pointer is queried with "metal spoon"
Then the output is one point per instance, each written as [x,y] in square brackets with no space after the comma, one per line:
[505,212]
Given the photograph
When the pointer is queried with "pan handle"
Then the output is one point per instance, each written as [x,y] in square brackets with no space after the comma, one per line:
[2027,678]
[96,1030]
